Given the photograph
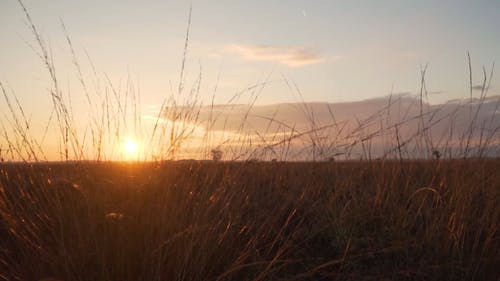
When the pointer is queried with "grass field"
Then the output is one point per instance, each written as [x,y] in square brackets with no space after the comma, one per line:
[190,220]
[408,191]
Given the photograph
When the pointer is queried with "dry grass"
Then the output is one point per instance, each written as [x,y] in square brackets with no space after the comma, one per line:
[428,220]
[397,217]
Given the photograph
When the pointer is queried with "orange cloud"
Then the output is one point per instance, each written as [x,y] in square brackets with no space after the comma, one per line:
[291,56]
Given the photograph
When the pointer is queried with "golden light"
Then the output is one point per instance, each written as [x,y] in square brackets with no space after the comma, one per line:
[130,148]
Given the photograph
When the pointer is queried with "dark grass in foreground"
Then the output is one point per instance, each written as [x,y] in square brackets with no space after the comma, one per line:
[432,220]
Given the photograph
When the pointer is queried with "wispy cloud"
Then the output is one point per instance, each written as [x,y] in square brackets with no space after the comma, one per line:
[291,56]
[477,87]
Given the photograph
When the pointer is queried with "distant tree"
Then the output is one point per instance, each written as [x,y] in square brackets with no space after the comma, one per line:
[216,154]
[436,154]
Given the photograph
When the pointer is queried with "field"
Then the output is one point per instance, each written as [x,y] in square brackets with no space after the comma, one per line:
[250,220]
[95,183]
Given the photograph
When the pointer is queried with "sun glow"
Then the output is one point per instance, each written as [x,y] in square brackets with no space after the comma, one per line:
[130,149]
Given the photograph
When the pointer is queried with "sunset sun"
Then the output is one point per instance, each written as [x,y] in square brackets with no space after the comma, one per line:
[130,148]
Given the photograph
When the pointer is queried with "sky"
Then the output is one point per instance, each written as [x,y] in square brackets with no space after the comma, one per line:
[333,51]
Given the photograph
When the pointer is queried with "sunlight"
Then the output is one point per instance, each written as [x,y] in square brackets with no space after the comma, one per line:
[130,149]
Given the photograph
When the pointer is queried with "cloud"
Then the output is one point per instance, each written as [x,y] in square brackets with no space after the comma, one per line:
[291,56]
[477,87]
[402,94]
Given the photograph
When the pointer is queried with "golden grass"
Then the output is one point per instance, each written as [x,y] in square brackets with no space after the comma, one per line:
[395,218]
[427,220]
